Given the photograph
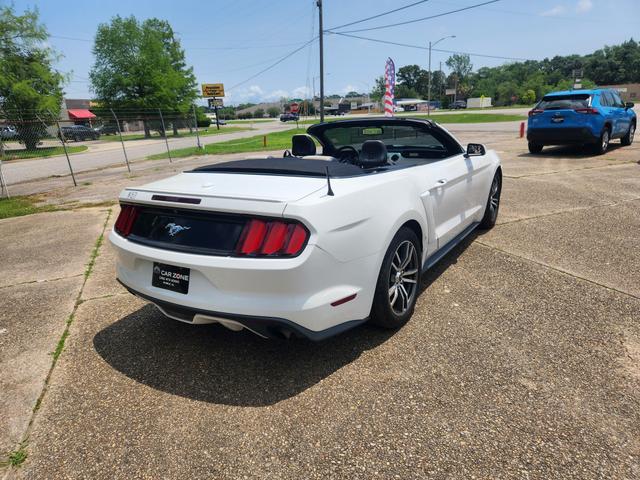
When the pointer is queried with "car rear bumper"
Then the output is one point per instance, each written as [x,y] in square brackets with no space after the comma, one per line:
[271,297]
[561,135]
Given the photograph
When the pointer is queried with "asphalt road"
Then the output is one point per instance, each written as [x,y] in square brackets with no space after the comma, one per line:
[522,359]
[102,154]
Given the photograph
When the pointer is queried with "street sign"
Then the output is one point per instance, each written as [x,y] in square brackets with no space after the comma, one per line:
[450,91]
[294,107]
[215,102]
[213,90]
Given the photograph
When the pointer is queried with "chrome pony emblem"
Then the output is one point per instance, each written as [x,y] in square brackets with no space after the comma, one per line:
[175,229]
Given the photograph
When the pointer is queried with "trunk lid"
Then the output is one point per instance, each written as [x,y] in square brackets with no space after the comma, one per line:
[227,192]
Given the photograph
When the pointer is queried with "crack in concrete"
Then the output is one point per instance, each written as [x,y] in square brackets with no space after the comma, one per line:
[555,172]
[101,297]
[61,343]
[46,280]
[556,269]
[569,210]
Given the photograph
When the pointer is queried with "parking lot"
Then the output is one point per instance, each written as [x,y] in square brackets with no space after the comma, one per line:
[522,359]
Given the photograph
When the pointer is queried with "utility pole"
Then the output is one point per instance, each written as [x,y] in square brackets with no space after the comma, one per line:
[429,88]
[319,4]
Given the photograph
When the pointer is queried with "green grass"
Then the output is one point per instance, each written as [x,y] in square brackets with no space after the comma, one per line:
[250,120]
[17,457]
[19,206]
[41,152]
[473,117]
[212,130]
[275,141]
[447,118]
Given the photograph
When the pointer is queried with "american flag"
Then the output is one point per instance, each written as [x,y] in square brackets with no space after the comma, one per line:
[389,87]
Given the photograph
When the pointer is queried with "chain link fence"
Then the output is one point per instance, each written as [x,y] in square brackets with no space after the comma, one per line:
[72,140]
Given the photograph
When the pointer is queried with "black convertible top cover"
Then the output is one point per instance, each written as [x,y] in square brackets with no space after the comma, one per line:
[292,166]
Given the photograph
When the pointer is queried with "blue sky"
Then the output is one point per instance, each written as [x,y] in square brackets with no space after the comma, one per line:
[229,41]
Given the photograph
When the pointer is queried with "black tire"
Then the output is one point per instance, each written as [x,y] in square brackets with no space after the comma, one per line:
[601,146]
[493,203]
[628,138]
[535,147]
[391,310]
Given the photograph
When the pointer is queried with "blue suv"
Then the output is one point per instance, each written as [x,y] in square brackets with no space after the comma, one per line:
[588,117]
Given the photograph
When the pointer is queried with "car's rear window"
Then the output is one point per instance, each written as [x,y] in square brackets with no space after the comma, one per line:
[563,102]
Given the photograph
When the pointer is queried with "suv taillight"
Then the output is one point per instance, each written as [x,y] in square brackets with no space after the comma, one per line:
[274,238]
[126,219]
[535,111]
[592,111]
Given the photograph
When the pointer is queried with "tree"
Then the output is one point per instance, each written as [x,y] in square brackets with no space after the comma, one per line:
[30,88]
[258,113]
[460,64]
[378,90]
[410,76]
[528,97]
[273,112]
[141,66]
[353,94]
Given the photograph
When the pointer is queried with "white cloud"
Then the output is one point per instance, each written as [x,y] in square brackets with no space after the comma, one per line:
[584,6]
[555,11]
[255,94]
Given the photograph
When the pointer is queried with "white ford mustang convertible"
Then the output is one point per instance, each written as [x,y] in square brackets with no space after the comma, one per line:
[306,244]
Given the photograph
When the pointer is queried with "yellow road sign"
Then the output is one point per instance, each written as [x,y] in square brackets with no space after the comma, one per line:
[213,90]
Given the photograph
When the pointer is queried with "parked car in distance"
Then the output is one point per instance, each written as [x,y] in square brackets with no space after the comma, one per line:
[8,132]
[587,117]
[78,133]
[458,104]
[289,117]
[108,129]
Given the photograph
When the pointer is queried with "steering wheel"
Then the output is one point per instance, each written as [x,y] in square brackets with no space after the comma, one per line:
[347,154]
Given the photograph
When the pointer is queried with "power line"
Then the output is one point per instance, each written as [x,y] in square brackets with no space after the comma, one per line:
[450,12]
[379,15]
[433,49]
[282,59]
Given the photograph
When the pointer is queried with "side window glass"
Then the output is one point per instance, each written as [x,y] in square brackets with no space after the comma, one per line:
[617,100]
[605,99]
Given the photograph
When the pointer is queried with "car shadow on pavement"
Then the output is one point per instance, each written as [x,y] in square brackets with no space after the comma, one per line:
[212,364]
[573,151]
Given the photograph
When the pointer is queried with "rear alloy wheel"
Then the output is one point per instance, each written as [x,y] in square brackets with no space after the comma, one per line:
[603,144]
[628,138]
[398,281]
[493,203]
[535,147]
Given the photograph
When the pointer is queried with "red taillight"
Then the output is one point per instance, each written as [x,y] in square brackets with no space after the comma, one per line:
[592,111]
[271,238]
[126,219]
[535,111]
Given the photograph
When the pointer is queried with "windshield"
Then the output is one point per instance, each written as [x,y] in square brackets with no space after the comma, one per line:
[564,102]
[421,140]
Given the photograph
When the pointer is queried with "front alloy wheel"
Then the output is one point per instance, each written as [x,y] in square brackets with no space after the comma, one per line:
[403,278]
[493,203]
[398,282]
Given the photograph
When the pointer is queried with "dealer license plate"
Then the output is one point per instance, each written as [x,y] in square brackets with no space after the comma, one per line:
[170,277]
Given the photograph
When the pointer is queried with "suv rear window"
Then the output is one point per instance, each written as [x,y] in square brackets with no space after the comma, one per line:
[564,102]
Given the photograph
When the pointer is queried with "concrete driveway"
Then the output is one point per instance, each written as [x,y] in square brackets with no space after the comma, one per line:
[522,359]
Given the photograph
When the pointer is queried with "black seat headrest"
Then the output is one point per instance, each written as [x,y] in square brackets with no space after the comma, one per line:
[373,154]
[302,145]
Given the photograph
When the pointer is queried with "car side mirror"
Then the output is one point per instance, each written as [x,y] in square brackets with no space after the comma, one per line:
[475,150]
[629,105]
